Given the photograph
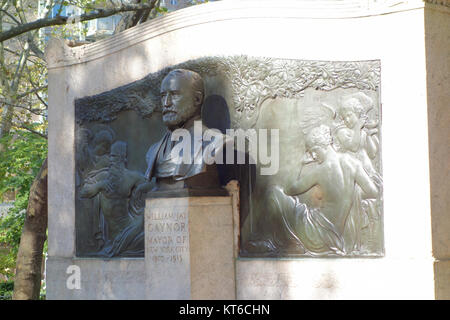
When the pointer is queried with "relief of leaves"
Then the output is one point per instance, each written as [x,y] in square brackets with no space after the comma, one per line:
[252,81]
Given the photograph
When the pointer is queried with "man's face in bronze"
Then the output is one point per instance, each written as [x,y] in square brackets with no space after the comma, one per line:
[179,101]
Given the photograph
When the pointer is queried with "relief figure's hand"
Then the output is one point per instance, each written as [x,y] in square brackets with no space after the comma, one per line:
[142,189]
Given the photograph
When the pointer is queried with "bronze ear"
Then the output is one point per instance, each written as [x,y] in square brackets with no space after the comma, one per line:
[198,97]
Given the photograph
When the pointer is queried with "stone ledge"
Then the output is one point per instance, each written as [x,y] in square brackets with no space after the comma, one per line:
[221,11]
[99,279]
[442,279]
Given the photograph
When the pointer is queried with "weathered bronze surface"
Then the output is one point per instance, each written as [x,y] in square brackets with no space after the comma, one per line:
[115,195]
[182,96]
[326,197]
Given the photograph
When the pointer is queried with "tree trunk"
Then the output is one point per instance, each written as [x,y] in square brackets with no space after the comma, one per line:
[131,19]
[27,282]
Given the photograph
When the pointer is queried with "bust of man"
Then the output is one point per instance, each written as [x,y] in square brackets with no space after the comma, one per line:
[175,167]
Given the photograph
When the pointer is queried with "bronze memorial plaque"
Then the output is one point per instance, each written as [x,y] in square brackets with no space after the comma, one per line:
[303,138]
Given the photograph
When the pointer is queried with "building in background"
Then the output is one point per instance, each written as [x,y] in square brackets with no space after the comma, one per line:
[101,28]
[173,5]
[97,29]
[79,31]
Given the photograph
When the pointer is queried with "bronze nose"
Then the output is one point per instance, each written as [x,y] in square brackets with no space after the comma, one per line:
[167,100]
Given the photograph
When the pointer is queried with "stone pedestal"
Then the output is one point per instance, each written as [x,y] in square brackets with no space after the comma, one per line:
[189,248]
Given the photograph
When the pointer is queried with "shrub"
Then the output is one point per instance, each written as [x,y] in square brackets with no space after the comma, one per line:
[6,290]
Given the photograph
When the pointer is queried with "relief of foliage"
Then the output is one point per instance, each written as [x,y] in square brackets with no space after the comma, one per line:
[252,80]
[255,80]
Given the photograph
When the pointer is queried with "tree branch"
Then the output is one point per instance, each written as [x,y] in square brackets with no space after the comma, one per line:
[36,111]
[38,52]
[33,131]
[35,87]
[31,91]
[10,16]
[18,5]
[41,100]
[59,20]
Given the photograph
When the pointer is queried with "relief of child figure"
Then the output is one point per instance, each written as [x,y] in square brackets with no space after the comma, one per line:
[100,150]
[358,137]
[92,158]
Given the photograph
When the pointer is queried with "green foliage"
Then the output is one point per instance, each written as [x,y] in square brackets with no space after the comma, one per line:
[6,290]
[20,162]
[194,2]
[7,263]
[43,291]
[11,229]
[161,10]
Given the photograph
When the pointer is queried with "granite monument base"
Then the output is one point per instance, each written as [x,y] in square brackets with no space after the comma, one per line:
[189,250]
[72,278]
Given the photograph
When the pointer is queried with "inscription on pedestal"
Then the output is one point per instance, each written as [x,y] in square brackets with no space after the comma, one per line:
[167,249]
[168,236]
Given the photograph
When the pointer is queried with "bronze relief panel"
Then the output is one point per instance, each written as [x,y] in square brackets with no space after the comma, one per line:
[324,198]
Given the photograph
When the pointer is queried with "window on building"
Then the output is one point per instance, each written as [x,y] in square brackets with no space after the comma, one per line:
[57,8]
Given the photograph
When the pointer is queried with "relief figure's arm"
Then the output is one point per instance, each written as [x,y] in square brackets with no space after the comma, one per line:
[367,185]
[139,189]
[140,185]
[306,180]
[355,140]
[371,145]
[349,139]
[89,190]
[143,186]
